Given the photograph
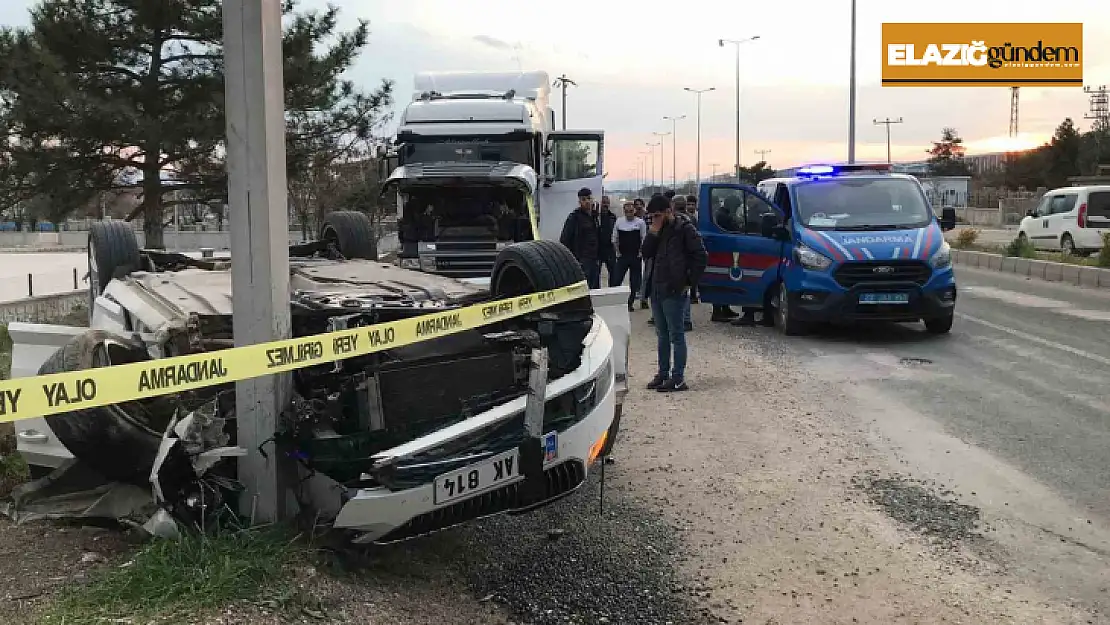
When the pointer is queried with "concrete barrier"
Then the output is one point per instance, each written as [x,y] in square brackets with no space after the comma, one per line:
[1079,275]
[43,308]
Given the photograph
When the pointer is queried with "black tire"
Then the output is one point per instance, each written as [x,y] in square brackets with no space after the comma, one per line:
[939,325]
[1067,245]
[109,439]
[533,266]
[785,320]
[113,253]
[352,233]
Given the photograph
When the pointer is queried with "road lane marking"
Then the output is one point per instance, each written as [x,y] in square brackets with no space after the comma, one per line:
[1036,339]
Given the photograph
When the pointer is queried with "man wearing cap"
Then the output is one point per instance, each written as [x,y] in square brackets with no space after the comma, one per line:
[580,235]
[679,258]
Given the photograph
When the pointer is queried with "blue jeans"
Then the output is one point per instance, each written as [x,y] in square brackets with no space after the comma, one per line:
[671,333]
[686,310]
[592,269]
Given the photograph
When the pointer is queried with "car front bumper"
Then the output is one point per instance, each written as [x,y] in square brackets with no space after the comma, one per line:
[381,515]
[844,306]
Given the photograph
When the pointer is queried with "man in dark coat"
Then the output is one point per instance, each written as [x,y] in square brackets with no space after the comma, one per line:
[580,235]
[606,220]
[678,260]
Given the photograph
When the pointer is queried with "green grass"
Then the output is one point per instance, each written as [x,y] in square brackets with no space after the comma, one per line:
[5,353]
[174,581]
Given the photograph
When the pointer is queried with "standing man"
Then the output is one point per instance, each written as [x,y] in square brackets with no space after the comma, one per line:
[580,236]
[627,238]
[606,220]
[678,205]
[692,213]
[679,258]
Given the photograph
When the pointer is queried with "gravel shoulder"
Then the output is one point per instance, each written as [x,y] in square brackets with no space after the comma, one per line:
[792,512]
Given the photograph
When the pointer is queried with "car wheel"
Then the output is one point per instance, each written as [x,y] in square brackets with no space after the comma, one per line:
[785,319]
[119,441]
[1067,245]
[939,325]
[532,266]
[113,252]
[352,234]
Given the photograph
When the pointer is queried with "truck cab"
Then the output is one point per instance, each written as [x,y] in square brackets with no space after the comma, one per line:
[833,243]
[477,166]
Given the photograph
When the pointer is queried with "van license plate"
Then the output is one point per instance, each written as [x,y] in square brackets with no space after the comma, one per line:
[466,482]
[884,298]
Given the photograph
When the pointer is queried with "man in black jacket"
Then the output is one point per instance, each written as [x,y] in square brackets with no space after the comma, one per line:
[678,260]
[580,235]
[606,220]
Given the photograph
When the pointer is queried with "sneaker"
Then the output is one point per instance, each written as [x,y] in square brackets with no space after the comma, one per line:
[721,315]
[643,305]
[651,321]
[631,308]
[688,326]
[694,299]
[658,382]
[744,321]
[673,386]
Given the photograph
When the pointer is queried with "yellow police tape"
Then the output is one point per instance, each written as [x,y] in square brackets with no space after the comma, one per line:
[39,396]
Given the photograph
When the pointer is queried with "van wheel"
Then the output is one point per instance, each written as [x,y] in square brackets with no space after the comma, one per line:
[119,441]
[785,319]
[113,253]
[1067,245]
[532,266]
[352,234]
[939,325]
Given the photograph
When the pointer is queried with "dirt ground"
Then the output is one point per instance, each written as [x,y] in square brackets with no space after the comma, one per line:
[780,509]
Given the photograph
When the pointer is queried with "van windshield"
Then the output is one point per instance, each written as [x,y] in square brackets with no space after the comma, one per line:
[861,204]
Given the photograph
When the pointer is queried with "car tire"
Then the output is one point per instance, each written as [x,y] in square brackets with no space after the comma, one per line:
[352,233]
[113,252]
[939,325]
[532,266]
[1067,245]
[785,319]
[108,438]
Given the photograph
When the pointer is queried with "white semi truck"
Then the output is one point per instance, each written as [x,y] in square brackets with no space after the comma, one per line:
[473,150]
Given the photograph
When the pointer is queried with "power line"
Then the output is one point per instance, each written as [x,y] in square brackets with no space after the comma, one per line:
[887,122]
[762,154]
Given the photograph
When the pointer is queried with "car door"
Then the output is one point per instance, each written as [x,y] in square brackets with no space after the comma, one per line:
[573,160]
[743,263]
[1038,228]
[1061,219]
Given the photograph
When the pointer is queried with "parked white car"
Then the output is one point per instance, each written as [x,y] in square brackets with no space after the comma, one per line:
[1070,219]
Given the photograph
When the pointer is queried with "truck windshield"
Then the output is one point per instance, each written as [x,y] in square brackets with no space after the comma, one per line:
[456,149]
[861,204]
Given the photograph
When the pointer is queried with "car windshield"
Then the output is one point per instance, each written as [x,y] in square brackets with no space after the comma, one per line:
[861,204]
[468,149]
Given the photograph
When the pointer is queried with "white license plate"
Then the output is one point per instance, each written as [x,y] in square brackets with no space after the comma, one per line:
[884,298]
[468,481]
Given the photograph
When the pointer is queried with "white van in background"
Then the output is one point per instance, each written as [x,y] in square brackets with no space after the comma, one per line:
[1070,219]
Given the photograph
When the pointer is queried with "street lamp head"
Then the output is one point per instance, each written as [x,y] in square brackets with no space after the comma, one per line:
[755,37]
[721,42]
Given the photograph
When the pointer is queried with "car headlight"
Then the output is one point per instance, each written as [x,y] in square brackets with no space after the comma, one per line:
[942,258]
[811,259]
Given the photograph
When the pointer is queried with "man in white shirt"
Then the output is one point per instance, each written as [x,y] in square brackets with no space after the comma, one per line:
[628,235]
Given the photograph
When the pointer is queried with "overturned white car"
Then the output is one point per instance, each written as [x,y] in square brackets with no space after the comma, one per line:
[390,445]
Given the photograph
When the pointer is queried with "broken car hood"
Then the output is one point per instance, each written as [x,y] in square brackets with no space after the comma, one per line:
[424,175]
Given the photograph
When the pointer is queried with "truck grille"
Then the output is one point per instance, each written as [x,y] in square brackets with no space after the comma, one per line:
[852,274]
[560,480]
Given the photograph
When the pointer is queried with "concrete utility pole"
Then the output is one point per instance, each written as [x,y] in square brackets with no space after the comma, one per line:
[762,154]
[662,169]
[255,111]
[852,93]
[737,43]
[652,147]
[562,82]
[697,160]
[674,148]
[887,122]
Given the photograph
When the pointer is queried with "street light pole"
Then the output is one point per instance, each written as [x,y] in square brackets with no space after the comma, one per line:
[697,159]
[674,148]
[852,93]
[738,43]
[887,122]
[563,82]
[763,154]
[662,168]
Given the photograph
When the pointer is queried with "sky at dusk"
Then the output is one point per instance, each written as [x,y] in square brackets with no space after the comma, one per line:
[631,61]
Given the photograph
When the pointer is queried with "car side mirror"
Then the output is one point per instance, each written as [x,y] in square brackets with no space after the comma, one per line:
[1032,212]
[767,224]
[947,218]
[780,233]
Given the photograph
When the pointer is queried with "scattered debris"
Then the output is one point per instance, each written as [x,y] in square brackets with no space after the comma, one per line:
[937,516]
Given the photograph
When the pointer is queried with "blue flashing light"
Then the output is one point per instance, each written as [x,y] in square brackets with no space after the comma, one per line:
[817,170]
[814,171]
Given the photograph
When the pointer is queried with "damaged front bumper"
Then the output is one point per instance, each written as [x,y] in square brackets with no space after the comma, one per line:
[439,480]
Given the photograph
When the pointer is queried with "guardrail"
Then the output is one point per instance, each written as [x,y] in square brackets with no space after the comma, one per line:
[1079,275]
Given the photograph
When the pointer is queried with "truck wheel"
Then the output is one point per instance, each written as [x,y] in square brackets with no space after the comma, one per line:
[533,266]
[113,253]
[119,441]
[785,320]
[939,325]
[352,234]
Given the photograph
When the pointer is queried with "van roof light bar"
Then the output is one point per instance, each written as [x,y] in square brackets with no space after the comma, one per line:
[813,171]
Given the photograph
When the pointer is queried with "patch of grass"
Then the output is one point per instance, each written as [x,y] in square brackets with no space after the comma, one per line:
[1104,254]
[1021,248]
[967,237]
[5,353]
[172,580]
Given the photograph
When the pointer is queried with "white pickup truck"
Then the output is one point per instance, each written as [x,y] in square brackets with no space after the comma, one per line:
[390,446]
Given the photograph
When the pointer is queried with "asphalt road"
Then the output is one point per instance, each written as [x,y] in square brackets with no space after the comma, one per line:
[1011,411]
